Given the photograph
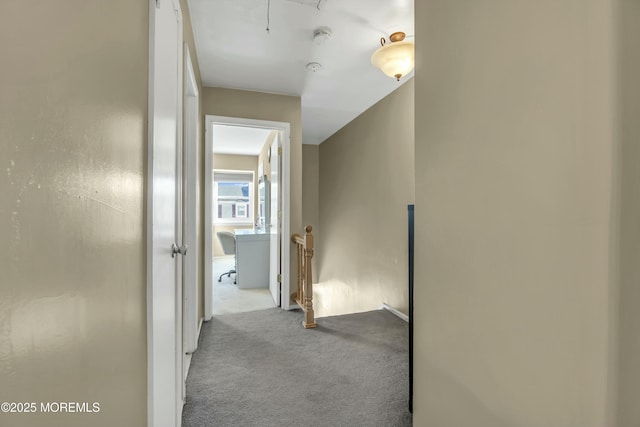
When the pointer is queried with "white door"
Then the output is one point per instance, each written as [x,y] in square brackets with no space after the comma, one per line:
[191,234]
[274,250]
[190,321]
[163,220]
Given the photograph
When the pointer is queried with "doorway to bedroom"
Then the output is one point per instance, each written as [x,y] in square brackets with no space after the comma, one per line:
[245,193]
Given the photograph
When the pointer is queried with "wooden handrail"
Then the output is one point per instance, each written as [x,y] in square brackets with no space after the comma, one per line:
[304,295]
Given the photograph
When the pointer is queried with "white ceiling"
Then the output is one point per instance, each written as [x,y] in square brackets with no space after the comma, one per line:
[245,141]
[235,51]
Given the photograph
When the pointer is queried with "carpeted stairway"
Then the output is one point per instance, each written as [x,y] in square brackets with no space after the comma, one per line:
[264,369]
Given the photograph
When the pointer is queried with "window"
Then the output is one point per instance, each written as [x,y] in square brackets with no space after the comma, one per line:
[233,196]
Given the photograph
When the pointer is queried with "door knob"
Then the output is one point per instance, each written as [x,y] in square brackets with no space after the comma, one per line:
[182,250]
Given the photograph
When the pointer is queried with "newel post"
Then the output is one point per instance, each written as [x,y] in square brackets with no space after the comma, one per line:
[309,319]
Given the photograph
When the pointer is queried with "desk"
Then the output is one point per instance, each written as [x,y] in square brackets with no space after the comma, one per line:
[252,258]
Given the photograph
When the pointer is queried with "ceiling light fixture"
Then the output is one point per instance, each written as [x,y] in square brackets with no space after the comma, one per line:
[395,59]
[321,35]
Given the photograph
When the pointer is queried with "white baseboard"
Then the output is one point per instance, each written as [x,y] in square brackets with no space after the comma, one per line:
[198,335]
[189,355]
[199,329]
[187,362]
[395,311]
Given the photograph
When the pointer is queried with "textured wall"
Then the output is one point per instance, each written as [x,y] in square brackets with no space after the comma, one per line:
[366,183]
[73,140]
[515,148]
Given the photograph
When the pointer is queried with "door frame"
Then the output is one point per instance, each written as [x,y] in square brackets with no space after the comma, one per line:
[285,196]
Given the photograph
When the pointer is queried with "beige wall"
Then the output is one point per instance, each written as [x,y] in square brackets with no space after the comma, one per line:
[311,197]
[264,106]
[366,183]
[233,162]
[73,138]
[628,203]
[514,155]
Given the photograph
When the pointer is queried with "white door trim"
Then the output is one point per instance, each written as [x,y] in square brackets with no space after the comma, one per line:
[286,203]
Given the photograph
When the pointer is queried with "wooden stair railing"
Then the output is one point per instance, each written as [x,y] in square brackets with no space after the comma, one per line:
[304,295]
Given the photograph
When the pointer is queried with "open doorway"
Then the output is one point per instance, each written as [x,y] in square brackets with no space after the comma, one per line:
[246,215]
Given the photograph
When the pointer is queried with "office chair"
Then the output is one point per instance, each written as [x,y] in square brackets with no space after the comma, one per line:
[228,243]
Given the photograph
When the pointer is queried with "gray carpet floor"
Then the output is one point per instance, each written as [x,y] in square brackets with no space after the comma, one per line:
[264,369]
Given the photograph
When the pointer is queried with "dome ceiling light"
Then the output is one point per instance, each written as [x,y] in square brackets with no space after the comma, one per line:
[321,35]
[395,59]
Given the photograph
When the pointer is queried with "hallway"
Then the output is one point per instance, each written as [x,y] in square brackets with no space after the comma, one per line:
[263,369]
